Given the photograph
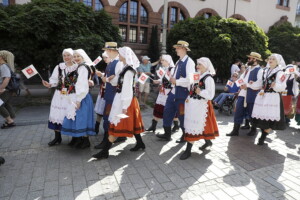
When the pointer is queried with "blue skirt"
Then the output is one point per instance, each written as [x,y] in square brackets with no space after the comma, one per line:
[83,125]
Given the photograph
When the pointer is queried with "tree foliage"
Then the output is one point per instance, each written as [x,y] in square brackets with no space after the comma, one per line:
[37,32]
[285,40]
[153,50]
[221,40]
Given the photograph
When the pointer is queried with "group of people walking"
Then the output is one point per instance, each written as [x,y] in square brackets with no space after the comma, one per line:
[180,97]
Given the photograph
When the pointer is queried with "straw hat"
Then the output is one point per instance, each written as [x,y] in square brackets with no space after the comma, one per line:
[182,43]
[255,55]
[110,45]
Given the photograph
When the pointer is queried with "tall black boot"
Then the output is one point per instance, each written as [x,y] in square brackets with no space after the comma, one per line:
[2,161]
[166,135]
[235,131]
[120,139]
[262,138]
[73,141]
[175,127]
[247,124]
[78,142]
[57,139]
[105,151]
[252,132]
[187,153]
[139,143]
[86,143]
[97,124]
[207,144]
[104,141]
[153,126]
[181,140]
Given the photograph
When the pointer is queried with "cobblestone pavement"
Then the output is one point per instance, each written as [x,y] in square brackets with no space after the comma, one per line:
[234,168]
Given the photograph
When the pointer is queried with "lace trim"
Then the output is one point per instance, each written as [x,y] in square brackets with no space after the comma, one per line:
[265,117]
[55,120]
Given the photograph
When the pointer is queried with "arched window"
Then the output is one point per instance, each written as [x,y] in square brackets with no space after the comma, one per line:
[207,15]
[95,4]
[133,22]
[88,2]
[175,15]
[98,5]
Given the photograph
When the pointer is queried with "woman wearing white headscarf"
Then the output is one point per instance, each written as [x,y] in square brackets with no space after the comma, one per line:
[199,119]
[79,122]
[59,80]
[125,103]
[100,103]
[268,113]
[168,68]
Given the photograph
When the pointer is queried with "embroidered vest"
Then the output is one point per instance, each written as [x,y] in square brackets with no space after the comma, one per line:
[251,94]
[181,92]
[201,85]
[267,82]
[110,91]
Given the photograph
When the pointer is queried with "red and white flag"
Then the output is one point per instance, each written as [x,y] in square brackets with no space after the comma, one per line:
[230,83]
[160,72]
[143,78]
[240,82]
[29,71]
[290,70]
[98,59]
[195,77]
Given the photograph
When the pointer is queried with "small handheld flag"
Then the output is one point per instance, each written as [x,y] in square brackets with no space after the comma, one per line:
[195,77]
[240,82]
[30,71]
[143,78]
[98,59]
[160,72]
[230,83]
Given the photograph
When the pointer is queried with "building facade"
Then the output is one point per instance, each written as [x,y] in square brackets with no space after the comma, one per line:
[135,18]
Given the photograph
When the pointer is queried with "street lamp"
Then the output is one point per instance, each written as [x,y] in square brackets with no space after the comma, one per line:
[165,26]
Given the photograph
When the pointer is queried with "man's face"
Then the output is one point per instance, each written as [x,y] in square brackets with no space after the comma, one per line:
[145,61]
[251,61]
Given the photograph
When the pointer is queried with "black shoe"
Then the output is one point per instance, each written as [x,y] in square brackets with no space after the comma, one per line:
[261,140]
[2,161]
[175,127]
[252,132]
[153,126]
[86,143]
[167,135]
[235,131]
[57,139]
[102,154]
[120,139]
[101,145]
[73,141]
[78,143]
[207,144]
[187,153]
[247,125]
[181,140]
[138,146]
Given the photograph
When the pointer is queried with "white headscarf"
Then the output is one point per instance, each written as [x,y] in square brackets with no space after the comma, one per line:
[68,50]
[104,54]
[129,56]
[169,60]
[279,59]
[207,64]
[85,57]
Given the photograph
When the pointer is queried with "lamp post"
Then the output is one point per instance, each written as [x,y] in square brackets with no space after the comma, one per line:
[165,26]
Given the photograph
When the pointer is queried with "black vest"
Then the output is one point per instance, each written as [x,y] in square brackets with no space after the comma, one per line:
[121,78]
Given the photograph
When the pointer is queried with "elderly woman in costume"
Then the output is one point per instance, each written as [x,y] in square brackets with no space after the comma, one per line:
[6,67]
[60,79]
[79,122]
[268,112]
[199,120]
[166,86]
[100,103]
[125,116]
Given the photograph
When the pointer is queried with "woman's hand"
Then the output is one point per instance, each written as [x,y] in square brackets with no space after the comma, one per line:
[173,81]
[91,83]
[98,73]
[77,105]
[46,84]
[273,85]
[156,81]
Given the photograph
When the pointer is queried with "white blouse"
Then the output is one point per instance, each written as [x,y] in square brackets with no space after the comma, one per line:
[82,84]
[127,91]
[209,92]
[53,80]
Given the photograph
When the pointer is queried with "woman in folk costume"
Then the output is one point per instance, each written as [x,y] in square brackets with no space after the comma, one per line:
[100,103]
[59,79]
[166,86]
[199,120]
[268,112]
[291,90]
[79,122]
[125,103]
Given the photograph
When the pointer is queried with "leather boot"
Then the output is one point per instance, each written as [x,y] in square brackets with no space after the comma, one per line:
[104,141]
[166,135]
[252,132]
[86,143]
[187,153]
[73,141]
[262,138]
[104,153]
[120,139]
[153,126]
[139,143]
[175,127]
[207,144]
[181,140]
[247,124]
[57,139]
[78,142]
[97,124]
[235,131]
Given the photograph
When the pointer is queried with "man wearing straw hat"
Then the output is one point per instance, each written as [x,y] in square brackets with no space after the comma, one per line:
[181,85]
[246,96]
[110,79]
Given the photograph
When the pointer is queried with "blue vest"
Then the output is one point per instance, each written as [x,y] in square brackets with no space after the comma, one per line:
[181,92]
[110,91]
[289,86]
[251,94]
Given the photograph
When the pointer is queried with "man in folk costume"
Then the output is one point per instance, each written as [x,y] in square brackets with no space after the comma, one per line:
[246,96]
[268,112]
[199,119]
[181,84]
[110,79]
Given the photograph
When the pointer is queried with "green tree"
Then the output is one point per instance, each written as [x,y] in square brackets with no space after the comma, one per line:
[221,40]
[153,49]
[285,40]
[38,31]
